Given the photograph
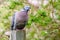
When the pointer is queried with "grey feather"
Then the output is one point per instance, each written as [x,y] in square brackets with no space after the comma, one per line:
[20,19]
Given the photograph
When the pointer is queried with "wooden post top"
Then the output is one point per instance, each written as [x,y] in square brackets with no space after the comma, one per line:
[18,35]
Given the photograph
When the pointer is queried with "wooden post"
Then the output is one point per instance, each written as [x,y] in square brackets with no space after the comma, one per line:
[18,35]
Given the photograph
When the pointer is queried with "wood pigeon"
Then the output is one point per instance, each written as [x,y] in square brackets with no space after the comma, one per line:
[20,19]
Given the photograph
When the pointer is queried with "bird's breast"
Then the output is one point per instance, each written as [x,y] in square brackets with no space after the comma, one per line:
[21,18]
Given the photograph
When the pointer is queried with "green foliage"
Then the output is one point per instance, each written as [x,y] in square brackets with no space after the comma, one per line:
[43,33]
[41,17]
[58,17]
[14,3]
[57,5]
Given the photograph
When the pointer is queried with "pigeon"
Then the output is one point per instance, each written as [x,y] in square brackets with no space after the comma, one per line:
[20,18]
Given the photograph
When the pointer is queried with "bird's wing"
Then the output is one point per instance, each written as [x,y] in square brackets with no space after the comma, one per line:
[12,23]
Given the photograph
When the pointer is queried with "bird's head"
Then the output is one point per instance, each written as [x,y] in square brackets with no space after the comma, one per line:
[26,8]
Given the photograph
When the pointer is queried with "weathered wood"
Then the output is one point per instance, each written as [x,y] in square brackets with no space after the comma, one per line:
[18,35]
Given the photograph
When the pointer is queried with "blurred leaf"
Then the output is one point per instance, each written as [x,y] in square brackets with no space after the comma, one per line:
[43,33]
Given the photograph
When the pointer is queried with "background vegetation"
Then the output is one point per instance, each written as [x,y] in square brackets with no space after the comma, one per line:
[44,20]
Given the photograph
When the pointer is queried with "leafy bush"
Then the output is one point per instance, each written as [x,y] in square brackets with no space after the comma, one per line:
[41,17]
